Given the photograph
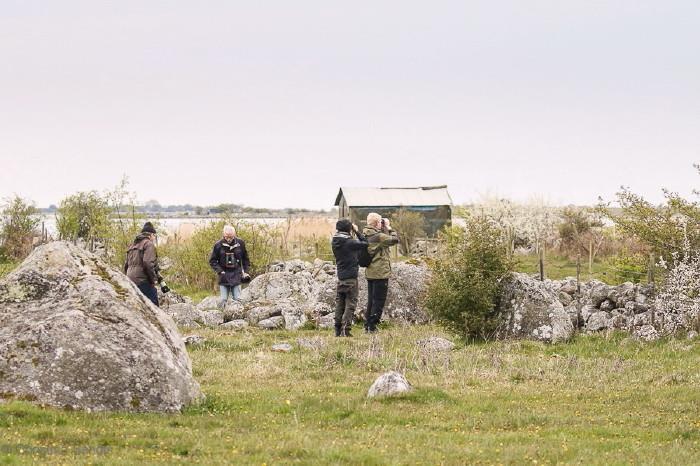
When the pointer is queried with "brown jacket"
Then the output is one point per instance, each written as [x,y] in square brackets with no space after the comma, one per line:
[142,261]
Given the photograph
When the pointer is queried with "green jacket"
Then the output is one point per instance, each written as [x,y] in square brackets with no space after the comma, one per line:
[379,242]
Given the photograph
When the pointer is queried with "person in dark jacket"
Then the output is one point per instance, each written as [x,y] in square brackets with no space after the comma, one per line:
[141,264]
[380,237]
[229,259]
[345,249]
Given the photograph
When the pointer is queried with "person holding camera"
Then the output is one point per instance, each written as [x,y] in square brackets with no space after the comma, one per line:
[141,264]
[229,259]
[345,250]
[380,237]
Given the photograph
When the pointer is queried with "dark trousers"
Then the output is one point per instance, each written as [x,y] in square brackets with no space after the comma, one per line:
[345,303]
[376,297]
[150,292]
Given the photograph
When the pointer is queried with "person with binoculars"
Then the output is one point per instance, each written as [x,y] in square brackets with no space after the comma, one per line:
[229,259]
[380,237]
[141,264]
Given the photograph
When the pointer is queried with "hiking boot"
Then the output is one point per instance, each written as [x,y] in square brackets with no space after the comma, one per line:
[337,330]
[346,332]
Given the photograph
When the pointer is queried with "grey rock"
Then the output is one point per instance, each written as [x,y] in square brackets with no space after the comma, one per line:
[212,318]
[194,340]
[389,384]
[209,303]
[532,310]
[327,321]
[436,344]
[263,312]
[237,324]
[598,321]
[314,344]
[282,347]
[272,323]
[234,310]
[607,305]
[185,315]
[165,300]
[294,317]
[275,286]
[692,335]
[646,333]
[565,298]
[76,333]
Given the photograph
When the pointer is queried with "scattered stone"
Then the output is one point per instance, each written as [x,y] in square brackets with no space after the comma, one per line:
[194,340]
[692,335]
[282,347]
[315,343]
[389,384]
[436,344]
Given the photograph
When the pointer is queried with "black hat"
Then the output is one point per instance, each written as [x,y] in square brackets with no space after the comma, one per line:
[344,224]
[148,228]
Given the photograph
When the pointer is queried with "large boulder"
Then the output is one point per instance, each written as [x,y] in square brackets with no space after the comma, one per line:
[531,309]
[275,286]
[407,284]
[78,334]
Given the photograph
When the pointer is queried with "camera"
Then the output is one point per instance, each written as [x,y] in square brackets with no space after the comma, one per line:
[164,287]
[230,261]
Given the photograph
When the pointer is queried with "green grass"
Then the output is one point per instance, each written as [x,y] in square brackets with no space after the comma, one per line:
[596,400]
[6,268]
[557,268]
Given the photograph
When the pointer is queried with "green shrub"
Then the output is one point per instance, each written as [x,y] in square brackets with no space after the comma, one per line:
[18,221]
[463,292]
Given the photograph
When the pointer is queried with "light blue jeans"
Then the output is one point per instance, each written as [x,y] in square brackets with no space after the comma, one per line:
[225,290]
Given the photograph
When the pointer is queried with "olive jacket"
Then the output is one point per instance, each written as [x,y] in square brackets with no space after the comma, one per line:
[379,244]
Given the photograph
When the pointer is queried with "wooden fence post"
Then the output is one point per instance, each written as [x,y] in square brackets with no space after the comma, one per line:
[541,266]
[578,273]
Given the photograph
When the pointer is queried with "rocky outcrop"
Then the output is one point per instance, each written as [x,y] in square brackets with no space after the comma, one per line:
[296,293]
[76,333]
[531,309]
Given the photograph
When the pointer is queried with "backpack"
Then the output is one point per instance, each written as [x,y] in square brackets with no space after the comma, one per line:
[364,258]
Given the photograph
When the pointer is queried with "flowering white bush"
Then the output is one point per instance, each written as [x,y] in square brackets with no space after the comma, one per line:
[532,224]
[678,300]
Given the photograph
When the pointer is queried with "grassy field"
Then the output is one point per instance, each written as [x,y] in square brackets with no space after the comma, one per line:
[557,268]
[597,400]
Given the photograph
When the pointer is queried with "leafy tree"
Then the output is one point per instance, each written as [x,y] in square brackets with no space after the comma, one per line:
[83,216]
[410,226]
[18,222]
[663,228]
[464,288]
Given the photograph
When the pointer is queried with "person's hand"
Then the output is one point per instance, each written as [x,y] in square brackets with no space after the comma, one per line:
[245,275]
[387,224]
[223,272]
[354,227]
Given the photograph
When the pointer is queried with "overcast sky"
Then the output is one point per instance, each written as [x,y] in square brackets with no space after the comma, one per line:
[278,103]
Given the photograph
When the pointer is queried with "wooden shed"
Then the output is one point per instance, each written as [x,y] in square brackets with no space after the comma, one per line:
[432,202]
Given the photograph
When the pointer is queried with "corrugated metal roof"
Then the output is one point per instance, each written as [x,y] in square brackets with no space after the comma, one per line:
[385,197]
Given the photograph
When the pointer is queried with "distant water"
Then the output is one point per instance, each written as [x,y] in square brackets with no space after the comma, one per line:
[171,225]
